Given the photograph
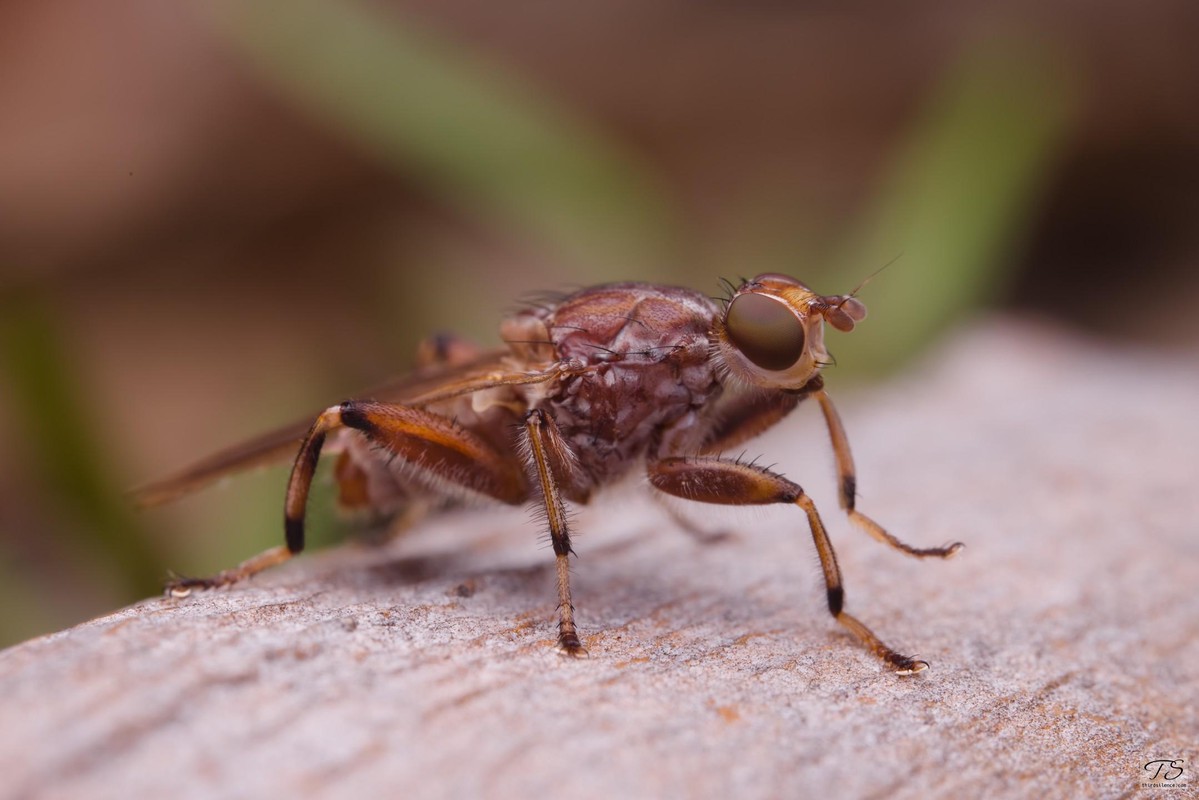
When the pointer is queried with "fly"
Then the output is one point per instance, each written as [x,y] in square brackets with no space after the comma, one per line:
[589,385]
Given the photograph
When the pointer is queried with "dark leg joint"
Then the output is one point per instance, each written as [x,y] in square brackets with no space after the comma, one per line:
[354,416]
[849,492]
[836,600]
[294,532]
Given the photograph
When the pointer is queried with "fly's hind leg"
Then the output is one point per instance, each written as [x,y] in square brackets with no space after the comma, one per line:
[847,485]
[432,445]
[710,479]
[180,586]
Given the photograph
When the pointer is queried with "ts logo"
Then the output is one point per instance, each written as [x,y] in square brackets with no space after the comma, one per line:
[1164,769]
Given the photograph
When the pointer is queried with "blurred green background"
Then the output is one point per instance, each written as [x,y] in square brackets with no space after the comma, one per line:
[218,217]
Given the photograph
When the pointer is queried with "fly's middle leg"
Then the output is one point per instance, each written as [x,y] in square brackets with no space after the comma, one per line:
[550,462]
[711,479]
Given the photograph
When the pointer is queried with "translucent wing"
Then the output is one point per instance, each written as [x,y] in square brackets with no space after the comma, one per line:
[423,386]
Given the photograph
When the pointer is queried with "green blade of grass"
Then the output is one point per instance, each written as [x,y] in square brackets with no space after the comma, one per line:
[475,135]
[958,198]
[63,447]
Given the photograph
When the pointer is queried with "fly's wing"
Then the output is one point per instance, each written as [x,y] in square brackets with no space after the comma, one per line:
[281,444]
[261,451]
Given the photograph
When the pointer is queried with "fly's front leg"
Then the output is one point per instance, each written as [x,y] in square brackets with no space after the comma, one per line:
[710,479]
[551,460]
[430,444]
[848,483]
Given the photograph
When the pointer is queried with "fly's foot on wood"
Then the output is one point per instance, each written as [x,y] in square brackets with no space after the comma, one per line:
[180,586]
[907,665]
[569,645]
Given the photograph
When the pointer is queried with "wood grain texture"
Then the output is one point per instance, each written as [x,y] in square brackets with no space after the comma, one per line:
[1064,641]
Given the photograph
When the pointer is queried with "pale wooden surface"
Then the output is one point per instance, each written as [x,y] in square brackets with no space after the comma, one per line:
[1064,640]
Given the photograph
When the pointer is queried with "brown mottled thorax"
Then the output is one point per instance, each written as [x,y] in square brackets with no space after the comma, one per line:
[648,353]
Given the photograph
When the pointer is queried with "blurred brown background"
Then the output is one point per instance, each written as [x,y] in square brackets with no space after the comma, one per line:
[218,217]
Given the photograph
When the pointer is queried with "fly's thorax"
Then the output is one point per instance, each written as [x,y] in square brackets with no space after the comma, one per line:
[641,343]
[644,353]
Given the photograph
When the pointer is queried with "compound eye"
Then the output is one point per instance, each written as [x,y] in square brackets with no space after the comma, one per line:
[765,331]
